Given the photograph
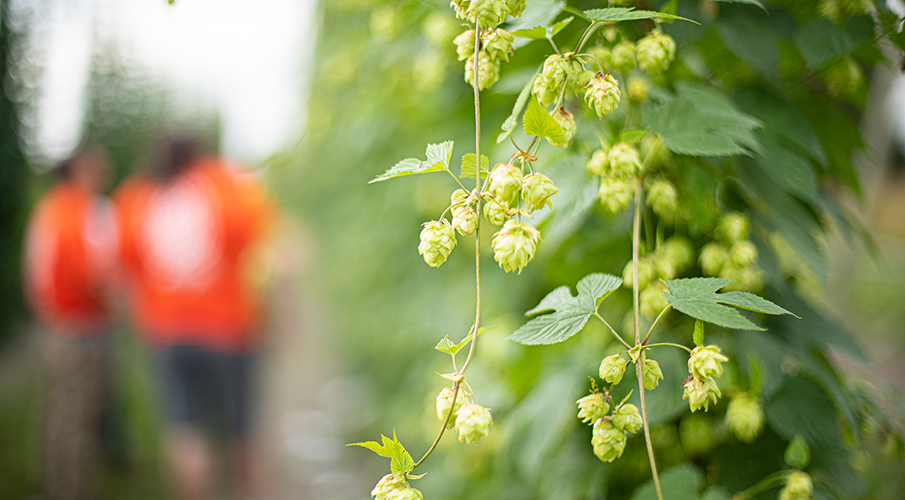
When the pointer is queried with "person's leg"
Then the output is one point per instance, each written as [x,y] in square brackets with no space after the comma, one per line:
[237,374]
[181,371]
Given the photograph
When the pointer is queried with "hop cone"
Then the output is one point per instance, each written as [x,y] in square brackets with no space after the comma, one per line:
[505,183]
[566,124]
[537,189]
[445,402]
[627,418]
[607,440]
[497,44]
[437,241]
[387,485]
[651,373]
[655,52]
[516,7]
[745,417]
[465,45]
[612,368]
[592,407]
[700,393]
[598,164]
[487,12]
[473,421]
[624,159]
[704,362]
[798,487]
[495,212]
[404,494]
[552,78]
[663,199]
[622,57]
[603,94]
[465,221]
[488,71]
[615,194]
[514,245]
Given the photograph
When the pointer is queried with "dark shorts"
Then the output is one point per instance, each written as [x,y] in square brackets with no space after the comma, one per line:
[202,387]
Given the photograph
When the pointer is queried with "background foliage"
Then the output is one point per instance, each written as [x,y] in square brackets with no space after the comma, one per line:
[763,128]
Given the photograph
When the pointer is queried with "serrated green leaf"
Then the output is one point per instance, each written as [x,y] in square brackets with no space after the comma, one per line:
[535,33]
[538,122]
[821,41]
[569,313]
[696,297]
[593,288]
[746,2]
[439,154]
[616,14]
[468,167]
[445,345]
[556,28]
[698,335]
[798,453]
[402,462]
[632,136]
[697,121]
[373,446]
[752,302]
[509,124]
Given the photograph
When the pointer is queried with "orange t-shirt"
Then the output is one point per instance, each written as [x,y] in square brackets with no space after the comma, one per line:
[183,247]
[70,248]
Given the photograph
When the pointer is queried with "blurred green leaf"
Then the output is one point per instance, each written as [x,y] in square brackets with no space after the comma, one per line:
[632,136]
[697,121]
[801,407]
[682,482]
[746,2]
[798,454]
[509,124]
[821,41]
[698,335]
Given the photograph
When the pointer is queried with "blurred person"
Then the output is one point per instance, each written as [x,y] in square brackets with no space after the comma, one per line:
[190,228]
[70,247]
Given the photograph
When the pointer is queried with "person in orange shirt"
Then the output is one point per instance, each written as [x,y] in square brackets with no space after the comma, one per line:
[69,249]
[188,230]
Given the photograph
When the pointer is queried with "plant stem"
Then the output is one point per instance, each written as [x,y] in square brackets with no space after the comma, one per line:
[474,338]
[636,236]
[618,337]
[771,481]
[651,330]
[667,344]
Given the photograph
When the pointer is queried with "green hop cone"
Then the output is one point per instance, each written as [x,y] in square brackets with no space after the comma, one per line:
[489,13]
[458,198]
[612,368]
[464,220]
[679,251]
[566,124]
[404,494]
[551,79]
[615,194]
[732,227]
[627,418]
[465,45]
[654,151]
[700,393]
[495,212]
[537,189]
[488,71]
[663,199]
[387,485]
[608,441]
[592,407]
[445,402]
[437,241]
[798,487]
[514,245]
[497,44]
[637,89]
[713,257]
[665,269]
[844,78]
[655,52]
[598,164]
[625,161]
[603,94]
[743,253]
[704,362]
[743,279]
[473,421]
[652,300]
[603,55]
[505,183]
[645,273]
[582,79]
[461,7]
[622,58]
[745,417]
[516,7]
[651,374]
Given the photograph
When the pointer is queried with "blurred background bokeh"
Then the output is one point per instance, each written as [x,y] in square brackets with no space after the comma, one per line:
[319,97]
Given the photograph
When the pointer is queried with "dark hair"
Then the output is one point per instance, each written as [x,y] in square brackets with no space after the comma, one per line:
[172,155]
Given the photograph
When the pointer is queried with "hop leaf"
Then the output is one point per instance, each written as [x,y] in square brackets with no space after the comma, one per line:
[592,407]
[473,421]
[437,241]
[514,245]
[612,368]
